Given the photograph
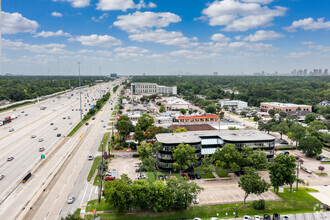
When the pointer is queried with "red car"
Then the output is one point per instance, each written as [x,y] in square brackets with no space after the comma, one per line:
[109,178]
[184,174]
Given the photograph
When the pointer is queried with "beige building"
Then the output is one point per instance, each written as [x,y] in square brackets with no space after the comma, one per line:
[285,107]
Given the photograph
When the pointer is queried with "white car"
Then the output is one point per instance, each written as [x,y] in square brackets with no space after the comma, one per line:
[196,200]
[90,157]
[11,129]
[55,128]
[33,136]
[286,217]
[257,217]
[137,164]
[41,140]
[71,199]
[246,217]
[142,176]
[2,176]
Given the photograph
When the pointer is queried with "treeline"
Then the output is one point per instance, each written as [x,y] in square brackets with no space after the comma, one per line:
[252,89]
[17,88]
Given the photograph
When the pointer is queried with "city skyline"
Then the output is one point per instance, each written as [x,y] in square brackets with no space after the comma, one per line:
[164,37]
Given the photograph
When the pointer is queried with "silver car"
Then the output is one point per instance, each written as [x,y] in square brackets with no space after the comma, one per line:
[41,140]
[71,199]
[2,176]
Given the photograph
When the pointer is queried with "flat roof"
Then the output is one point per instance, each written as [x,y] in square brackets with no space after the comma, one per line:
[283,104]
[226,135]
[198,117]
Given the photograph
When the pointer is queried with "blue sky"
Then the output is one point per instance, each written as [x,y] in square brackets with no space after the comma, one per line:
[164,36]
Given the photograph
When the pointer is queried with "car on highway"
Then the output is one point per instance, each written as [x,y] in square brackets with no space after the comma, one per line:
[41,149]
[283,142]
[26,114]
[70,123]
[55,128]
[276,216]
[11,129]
[58,135]
[90,157]
[69,117]
[33,136]
[257,217]
[87,123]
[41,140]
[325,160]
[64,117]
[71,199]
[286,217]
[10,158]
[2,176]
[22,111]
[51,123]
[141,176]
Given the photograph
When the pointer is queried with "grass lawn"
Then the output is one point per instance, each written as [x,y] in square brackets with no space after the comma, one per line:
[201,172]
[104,141]
[94,167]
[116,107]
[151,175]
[16,106]
[295,202]
[77,212]
[321,174]
[110,124]
[102,206]
[221,172]
[325,162]
[114,112]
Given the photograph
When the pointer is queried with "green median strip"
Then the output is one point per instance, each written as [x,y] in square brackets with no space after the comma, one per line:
[16,106]
[104,141]
[93,168]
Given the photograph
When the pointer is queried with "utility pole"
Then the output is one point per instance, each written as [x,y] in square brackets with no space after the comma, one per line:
[299,162]
[80,93]
[100,191]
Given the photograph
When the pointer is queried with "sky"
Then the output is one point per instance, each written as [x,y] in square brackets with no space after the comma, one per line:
[163,37]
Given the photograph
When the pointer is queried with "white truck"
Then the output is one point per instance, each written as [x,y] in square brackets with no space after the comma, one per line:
[13,116]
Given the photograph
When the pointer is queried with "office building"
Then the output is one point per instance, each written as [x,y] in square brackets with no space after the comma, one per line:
[285,107]
[152,88]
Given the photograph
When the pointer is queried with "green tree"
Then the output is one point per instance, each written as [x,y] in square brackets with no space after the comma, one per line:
[243,113]
[297,132]
[124,125]
[71,217]
[162,109]
[183,192]
[180,130]
[142,194]
[211,109]
[118,193]
[252,183]
[281,171]
[283,114]
[310,117]
[152,131]
[271,112]
[310,145]
[184,155]
[145,121]
[269,126]
[206,165]
[282,128]
[138,134]
[145,150]
[149,164]
[227,157]
[195,110]
[190,111]
[256,159]
[183,111]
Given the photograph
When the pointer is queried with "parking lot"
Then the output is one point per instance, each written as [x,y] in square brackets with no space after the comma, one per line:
[124,165]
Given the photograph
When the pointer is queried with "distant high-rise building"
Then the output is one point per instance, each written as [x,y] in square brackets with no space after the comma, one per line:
[113,75]
[300,72]
[305,72]
[294,72]
[320,72]
[144,74]
[215,73]
[326,72]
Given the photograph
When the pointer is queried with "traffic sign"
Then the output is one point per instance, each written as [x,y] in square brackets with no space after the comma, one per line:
[43,156]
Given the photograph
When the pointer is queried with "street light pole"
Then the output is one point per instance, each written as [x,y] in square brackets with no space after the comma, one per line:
[80,93]
[236,211]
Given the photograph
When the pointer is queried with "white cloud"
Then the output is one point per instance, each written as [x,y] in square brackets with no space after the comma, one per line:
[308,24]
[307,42]
[57,14]
[164,37]
[101,17]
[52,34]
[237,46]
[36,48]
[97,40]
[145,20]
[220,37]
[320,48]
[298,54]
[105,53]
[241,16]
[122,5]
[263,36]
[193,54]
[76,3]
[131,49]
[13,23]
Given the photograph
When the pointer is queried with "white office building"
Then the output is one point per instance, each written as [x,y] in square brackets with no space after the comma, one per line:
[233,104]
[152,88]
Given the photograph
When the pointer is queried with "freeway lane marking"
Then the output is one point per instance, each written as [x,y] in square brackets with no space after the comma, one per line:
[84,195]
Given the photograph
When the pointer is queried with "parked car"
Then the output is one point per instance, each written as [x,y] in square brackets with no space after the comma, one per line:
[33,136]
[307,170]
[257,217]
[191,176]
[160,177]
[10,158]
[246,217]
[142,176]
[2,176]
[41,149]
[195,200]
[138,170]
[166,177]
[267,217]
[55,128]
[284,142]
[198,176]
[184,174]
[137,164]
[109,178]
[41,140]
[320,157]
[71,199]
[90,157]
[325,160]
[285,152]
[51,123]
[276,216]
[286,217]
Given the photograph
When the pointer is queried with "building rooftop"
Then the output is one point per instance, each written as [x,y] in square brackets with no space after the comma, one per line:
[198,117]
[174,100]
[191,137]
[282,104]
[194,127]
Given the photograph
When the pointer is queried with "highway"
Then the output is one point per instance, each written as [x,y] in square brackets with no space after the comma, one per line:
[25,149]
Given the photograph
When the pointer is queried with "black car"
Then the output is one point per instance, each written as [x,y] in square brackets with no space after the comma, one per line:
[137,170]
[276,216]
[198,176]
[267,217]
[160,177]
[191,176]
[58,135]
[51,123]
[87,123]
[319,157]
[284,142]
[239,173]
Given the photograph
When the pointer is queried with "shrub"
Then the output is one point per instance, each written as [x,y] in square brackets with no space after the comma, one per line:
[259,204]
[136,155]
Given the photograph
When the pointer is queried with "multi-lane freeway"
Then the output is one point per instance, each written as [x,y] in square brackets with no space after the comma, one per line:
[52,125]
